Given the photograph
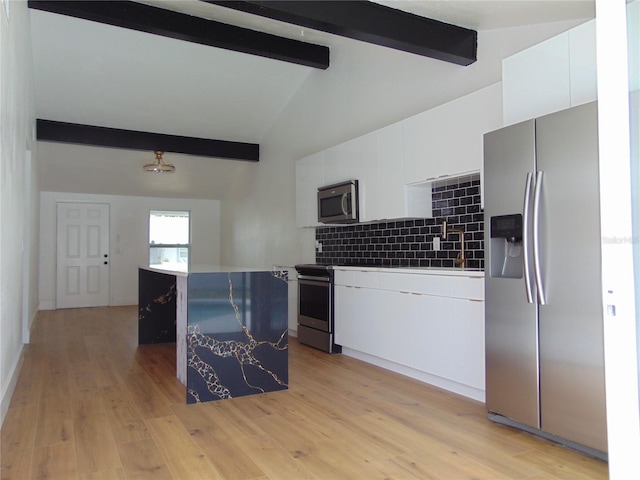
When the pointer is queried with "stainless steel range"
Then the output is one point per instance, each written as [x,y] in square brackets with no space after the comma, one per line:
[315,307]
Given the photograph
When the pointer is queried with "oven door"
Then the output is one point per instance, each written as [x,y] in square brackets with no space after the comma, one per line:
[314,302]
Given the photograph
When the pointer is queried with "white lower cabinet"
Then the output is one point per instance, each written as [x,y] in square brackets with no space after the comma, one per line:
[434,331]
[360,306]
[394,312]
[434,337]
[468,358]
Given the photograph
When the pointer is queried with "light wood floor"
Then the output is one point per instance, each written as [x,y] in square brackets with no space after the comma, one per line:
[91,404]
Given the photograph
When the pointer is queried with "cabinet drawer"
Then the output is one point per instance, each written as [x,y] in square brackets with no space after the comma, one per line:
[416,283]
[468,287]
[356,278]
[437,285]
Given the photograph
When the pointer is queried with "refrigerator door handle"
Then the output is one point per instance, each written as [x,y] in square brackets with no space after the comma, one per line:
[542,300]
[525,237]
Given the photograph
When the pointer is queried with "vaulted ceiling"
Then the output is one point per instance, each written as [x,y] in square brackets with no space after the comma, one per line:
[97,74]
[92,73]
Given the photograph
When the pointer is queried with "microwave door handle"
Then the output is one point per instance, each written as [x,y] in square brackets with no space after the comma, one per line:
[345,198]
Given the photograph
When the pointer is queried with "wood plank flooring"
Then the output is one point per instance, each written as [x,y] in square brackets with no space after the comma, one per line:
[91,404]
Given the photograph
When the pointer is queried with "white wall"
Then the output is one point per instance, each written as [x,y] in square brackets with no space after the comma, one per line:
[18,195]
[617,76]
[129,239]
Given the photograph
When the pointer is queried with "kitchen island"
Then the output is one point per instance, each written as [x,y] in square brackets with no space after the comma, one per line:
[229,325]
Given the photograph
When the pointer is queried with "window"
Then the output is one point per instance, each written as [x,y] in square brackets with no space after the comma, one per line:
[169,239]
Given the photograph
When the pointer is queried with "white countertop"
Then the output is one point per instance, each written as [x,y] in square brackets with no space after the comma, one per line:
[457,272]
[168,270]
[184,270]
[174,269]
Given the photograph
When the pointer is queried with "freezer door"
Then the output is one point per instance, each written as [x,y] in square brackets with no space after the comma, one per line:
[511,326]
[571,324]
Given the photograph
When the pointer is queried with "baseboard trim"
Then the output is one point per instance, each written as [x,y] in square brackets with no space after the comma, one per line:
[440,382]
[46,304]
[7,395]
[115,302]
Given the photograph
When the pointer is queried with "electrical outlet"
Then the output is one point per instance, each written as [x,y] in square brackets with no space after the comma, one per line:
[436,244]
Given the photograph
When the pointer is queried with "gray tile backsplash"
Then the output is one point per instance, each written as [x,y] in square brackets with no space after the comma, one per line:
[409,242]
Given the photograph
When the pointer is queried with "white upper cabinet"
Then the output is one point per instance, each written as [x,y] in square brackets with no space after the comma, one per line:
[536,81]
[444,141]
[359,161]
[333,164]
[375,160]
[419,162]
[447,140]
[389,203]
[554,75]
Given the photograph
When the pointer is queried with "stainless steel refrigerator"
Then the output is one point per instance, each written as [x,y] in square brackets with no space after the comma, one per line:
[543,314]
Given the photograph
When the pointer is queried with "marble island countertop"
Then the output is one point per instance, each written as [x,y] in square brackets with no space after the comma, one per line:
[183,269]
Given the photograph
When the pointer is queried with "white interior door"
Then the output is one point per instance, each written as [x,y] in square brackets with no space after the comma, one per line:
[82,278]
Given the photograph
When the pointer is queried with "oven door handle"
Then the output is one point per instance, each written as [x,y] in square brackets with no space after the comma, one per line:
[314,279]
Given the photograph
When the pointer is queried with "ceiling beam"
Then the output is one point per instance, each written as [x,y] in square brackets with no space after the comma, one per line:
[373,23]
[53,131]
[160,21]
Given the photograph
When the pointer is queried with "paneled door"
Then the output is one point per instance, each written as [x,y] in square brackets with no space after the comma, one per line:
[82,278]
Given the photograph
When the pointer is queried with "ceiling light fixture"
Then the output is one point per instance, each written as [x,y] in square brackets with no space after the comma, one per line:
[159,166]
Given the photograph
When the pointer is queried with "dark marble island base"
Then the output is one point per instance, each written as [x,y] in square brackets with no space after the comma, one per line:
[156,307]
[237,337]
[232,331]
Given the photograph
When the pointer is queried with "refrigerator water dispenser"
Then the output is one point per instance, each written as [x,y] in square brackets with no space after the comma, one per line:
[506,246]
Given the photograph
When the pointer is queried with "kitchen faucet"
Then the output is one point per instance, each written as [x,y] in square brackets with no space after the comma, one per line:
[460,259]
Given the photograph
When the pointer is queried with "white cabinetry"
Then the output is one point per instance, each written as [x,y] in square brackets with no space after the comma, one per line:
[360,305]
[358,159]
[356,298]
[554,75]
[388,201]
[375,160]
[444,141]
[448,140]
[428,326]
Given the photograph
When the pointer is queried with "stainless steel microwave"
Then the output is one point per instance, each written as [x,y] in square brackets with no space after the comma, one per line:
[338,203]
